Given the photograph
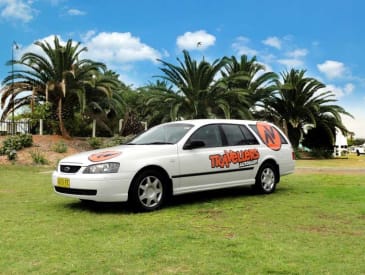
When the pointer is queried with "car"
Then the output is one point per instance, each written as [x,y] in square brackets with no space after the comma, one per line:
[360,150]
[177,158]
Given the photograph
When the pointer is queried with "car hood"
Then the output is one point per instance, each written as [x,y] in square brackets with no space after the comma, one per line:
[118,153]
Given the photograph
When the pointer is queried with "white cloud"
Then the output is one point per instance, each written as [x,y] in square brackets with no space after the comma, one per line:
[75,12]
[241,46]
[291,62]
[118,47]
[17,10]
[118,51]
[349,87]
[295,58]
[298,53]
[36,49]
[332,69]
[273,41]
[199,40]
[340,92]
[88,35]
[355,124]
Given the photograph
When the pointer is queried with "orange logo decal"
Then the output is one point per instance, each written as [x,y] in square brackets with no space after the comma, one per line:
[243,158]
[104,156]
[269,135]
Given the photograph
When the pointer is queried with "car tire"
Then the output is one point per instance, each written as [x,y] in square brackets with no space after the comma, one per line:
[148,191]
[266,179]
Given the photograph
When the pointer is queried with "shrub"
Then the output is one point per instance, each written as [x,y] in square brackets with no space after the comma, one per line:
[321,153]
[12,154]
[14,143]
[26,140]
[60,147]
[38,157]
[94,142]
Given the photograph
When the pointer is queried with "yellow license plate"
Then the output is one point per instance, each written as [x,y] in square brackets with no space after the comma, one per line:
[63,182]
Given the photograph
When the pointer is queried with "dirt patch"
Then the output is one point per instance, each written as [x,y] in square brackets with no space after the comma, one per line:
[45,146]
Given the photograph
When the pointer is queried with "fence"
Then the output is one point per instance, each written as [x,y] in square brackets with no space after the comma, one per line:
[16,127]
[40,127]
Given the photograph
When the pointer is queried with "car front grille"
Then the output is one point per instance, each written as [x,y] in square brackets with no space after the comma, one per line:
[69,168]
[73,191]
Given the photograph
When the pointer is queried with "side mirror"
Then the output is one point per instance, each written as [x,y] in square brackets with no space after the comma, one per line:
[194,144]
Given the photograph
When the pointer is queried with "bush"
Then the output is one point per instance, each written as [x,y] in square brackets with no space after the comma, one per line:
[321,153]
[12,155]
[14,143]
[38,157]
[60,147]
[95,142]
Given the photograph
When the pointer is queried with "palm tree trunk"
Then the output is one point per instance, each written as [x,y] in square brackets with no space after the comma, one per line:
[63,129]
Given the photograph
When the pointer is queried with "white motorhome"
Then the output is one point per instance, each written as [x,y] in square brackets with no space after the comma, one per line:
[341,146]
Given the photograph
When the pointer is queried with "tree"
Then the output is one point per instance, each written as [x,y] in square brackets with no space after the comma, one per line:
[301,101]
[55,76]
[101,99]
[193,81]
[155,102]
[250,83]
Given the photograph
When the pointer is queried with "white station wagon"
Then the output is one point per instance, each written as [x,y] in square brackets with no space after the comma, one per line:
[177,158]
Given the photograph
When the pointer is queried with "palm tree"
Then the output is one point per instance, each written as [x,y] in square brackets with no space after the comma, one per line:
[300,101]
[155,102]
[51,77]
[193,81]
[101,99]
[249,81]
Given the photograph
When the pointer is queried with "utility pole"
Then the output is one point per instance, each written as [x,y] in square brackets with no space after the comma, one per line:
[13,45]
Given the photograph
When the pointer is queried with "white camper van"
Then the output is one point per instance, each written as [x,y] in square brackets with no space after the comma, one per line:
[341,146]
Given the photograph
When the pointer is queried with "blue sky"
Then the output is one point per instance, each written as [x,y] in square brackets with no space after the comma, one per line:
[324,37]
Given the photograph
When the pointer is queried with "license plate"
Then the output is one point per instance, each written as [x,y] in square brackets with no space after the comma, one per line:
[63,182]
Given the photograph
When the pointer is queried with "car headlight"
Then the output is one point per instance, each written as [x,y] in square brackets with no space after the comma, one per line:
[102,168]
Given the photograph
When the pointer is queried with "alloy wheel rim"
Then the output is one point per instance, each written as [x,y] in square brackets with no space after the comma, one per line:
[150,191]
[268,179]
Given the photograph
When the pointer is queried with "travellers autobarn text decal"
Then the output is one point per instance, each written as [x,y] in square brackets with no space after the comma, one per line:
[243,157]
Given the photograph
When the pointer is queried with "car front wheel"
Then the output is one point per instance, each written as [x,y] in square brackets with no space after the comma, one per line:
[148,191]
[266,179]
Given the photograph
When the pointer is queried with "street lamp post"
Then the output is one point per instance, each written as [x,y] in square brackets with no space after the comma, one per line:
[13,45]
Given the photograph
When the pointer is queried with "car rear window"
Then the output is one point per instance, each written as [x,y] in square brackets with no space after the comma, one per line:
[282,137]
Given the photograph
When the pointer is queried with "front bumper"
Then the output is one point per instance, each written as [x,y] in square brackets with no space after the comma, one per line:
[111,187]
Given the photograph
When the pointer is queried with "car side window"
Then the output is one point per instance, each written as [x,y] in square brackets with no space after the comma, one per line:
[233,134]
[238,135]
[209,134]
[250,138]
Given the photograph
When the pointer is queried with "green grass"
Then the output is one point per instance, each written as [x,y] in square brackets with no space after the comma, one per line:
[313,224]
[351,161]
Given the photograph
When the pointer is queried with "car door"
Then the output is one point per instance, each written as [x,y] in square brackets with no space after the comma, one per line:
[216,162]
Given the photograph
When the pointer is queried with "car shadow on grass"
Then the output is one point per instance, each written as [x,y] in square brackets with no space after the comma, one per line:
[174,202]
[211,196]
[100,207]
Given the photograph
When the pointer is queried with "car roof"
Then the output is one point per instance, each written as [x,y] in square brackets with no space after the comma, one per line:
[201,122]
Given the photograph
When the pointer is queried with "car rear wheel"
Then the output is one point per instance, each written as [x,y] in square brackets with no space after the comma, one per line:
[266,179]
[148,191]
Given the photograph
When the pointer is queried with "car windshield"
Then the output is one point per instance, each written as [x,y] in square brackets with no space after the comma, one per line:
[162,134]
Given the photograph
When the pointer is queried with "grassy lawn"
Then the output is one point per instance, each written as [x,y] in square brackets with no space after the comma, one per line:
[313,224]
[351,161]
